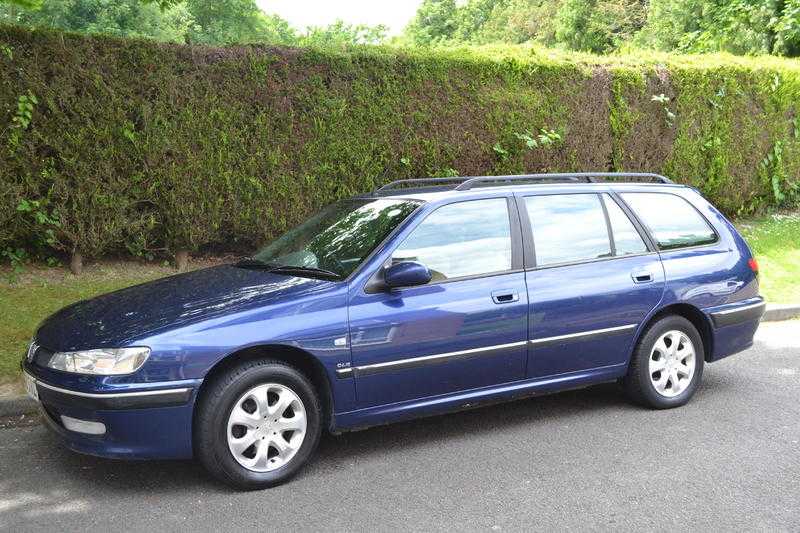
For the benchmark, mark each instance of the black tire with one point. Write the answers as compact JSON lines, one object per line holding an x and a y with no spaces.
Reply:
{"x":211,"y":422}
{"x":637,"y":383}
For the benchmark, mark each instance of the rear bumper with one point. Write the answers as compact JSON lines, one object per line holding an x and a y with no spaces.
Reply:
{"x":735,"y":326}
{"x":150,"y":424}
{"x":731,"y":314}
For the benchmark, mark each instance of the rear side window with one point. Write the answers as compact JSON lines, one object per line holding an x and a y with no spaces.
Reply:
{"x":672,"y":221}
{"x":463,"y":239}
{"x":568,"y":228}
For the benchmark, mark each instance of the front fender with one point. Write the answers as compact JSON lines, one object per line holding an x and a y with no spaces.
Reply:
{"x":316,"y":324}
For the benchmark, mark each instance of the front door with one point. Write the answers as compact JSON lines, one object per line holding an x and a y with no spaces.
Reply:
{"x":594,"y":282}
{"x":466,"y":329}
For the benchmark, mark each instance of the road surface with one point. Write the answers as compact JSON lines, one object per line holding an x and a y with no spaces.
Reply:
{"x":729,"y":460}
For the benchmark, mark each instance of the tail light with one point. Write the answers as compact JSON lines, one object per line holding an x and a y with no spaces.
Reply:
{"x":753,"y":264}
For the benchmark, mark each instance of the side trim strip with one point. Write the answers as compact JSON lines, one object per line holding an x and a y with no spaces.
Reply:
{"x":412,"y":362}
{"x":583,"y":335}
{"x":343,"y":373}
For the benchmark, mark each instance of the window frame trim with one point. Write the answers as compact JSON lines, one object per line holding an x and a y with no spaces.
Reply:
{"x":610,"y":233}
{"x":717,"y":236}
{"x":649,"y":243}
{"x":637,"y":224}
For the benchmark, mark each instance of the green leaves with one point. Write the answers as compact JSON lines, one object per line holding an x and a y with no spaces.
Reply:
{"x":500,"y":151}
{"x":548,"y":137}
{"x":27,"y":4}
{"x":217,"y":22}
{"x":128,"y":131}
{"x":25,"y":106}
{"x":664,"y":101}
{"x":743,"y":27}
{"x":26,"y":103}
{"x":545,"y":138}
{"x":773,"y":169}
{"x":528,"y":139}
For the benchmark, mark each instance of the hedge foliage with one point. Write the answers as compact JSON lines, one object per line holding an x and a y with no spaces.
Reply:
{"x":114,"y":146}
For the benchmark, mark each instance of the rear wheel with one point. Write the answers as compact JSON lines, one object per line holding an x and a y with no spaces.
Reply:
{"x":257,"y":424}
{"x":667,"y":365}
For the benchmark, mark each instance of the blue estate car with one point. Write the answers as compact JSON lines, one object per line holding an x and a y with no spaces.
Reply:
{"x":422,"y":297}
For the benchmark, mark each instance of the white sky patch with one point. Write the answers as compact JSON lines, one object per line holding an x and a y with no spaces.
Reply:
{"x":395,"y":14}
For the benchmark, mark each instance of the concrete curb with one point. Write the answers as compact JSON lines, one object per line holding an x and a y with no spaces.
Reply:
{"x":22,"y":405}
{"x":777,"y":312}
{"x":16,"y":406}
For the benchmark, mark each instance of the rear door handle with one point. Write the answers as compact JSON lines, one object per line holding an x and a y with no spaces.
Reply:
{"x":642,"y":276}
{"x":504,"y":297}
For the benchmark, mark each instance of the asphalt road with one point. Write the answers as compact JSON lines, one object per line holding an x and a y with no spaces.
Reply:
{"x":585,"y":460}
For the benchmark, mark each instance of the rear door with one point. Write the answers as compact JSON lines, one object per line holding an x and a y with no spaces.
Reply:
{"x":465,"y":329}
{"x":593,"y":279}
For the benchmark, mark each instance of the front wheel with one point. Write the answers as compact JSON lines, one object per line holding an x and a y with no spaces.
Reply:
{"x":257,"y":424}
{"x":667,"y":365}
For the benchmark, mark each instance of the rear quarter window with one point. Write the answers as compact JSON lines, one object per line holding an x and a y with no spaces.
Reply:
{"x":672,"y":221}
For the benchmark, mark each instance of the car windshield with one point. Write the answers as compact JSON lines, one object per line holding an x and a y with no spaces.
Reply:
{"x":332,"y":243}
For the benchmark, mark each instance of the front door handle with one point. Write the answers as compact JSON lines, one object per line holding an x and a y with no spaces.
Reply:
{"x":642,"y":276}
{"x":504,"y":297}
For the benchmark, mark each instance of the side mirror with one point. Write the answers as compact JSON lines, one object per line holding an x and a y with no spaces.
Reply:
{"x":406,"y":274}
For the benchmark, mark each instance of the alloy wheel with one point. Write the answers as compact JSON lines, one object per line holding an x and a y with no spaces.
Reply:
{"x":266,"y":427}
{"x":672,"y":363}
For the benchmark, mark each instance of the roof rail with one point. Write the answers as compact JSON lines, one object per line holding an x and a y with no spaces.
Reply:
{"x":419,"y":181}
{"x":467,"y":183}
{"x":587,"y":177}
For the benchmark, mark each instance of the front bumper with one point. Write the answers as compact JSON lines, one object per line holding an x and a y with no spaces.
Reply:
{"x":144,"y":424}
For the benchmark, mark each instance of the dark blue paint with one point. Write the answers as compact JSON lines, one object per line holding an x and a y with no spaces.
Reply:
{"x":586,"y":297}
{"x":433,"y":319}
{"x":194,"y":321}
{"x":120,"y":317}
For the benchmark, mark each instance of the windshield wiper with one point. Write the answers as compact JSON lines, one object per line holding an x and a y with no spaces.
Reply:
{"x":252,"y":262}
{"x":258,"y":264}
{"x":288,"y":269}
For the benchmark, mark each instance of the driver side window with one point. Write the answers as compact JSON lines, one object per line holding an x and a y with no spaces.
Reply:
{"x":463,"y":239}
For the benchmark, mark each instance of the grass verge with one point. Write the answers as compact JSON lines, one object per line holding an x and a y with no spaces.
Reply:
{"x":775,"y":241}
{"x":40,"y":291}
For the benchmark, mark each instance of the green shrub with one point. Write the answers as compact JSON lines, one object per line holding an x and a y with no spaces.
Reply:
{"x":137,"y":147}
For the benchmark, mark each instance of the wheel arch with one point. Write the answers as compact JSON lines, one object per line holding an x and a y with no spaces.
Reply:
{"x":691,"y":313}
{"x":297,"y":358}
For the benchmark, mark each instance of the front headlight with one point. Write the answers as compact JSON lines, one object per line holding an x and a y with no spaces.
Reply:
{"x":104,"y":362}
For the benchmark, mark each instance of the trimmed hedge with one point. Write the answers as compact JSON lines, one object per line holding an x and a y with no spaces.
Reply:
{"x":140,"y":147}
